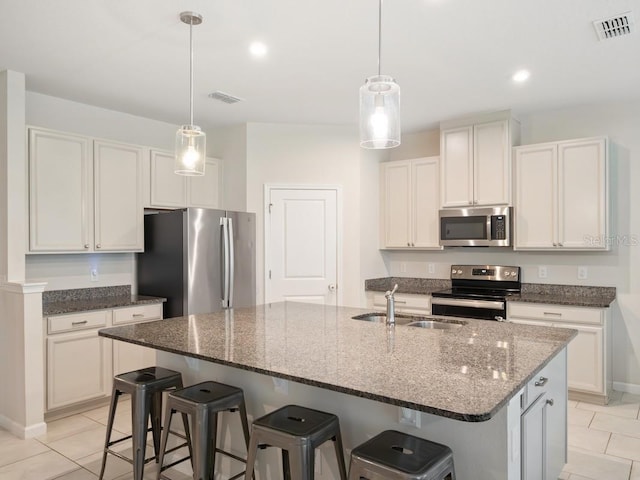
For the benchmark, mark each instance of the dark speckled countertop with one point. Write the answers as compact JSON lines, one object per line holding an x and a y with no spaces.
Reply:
{"x":468,"y":373}
{"x":572,"y":295}
{"x":58,"y":302}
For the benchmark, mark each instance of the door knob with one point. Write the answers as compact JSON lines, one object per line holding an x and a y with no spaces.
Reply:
{"x":333,"y":287}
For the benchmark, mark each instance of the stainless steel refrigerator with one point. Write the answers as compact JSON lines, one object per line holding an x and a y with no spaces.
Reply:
{"x":201,"y":260}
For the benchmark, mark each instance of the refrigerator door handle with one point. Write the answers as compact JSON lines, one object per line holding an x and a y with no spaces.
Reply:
{"x":225,"y":262}
{"x":232,"y":266}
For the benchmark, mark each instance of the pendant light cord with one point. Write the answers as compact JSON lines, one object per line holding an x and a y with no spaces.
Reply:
{"x":379,"y":34}
{"x":191,"y":71}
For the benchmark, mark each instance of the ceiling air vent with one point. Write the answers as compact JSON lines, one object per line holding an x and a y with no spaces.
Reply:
{"x":224,"y":97}
{"x":616,"y":26}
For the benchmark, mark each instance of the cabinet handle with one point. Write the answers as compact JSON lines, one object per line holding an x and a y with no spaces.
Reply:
{"x":550,"y":402}
{"x":86,"y":245}
{"x":555,"y":314}
{"x":138,"y":315}
{"x":541,"y":382}
{"x":401,"y":301}
{"x":98,"y":246}
{"x":560,"y":244}
{"x":408,"y":244}
{"x":413,"y":244}
{"x":83,"y":322}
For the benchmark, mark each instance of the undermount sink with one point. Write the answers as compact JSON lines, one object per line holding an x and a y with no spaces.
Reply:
{"x":412,"y":321}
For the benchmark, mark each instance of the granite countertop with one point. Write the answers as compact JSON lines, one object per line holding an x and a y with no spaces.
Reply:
{"x":573,"y":295}
{"x":58,"y":302}
{"x":468,"y":373}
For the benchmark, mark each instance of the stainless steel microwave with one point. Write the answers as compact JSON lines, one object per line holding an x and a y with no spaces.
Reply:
{"x":476,"y":227}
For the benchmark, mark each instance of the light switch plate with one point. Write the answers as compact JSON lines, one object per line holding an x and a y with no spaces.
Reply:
{"x":406,"y":416}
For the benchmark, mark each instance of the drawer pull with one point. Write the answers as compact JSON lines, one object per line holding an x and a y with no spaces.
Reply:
{"x":541,"y":382}
{"x":75,"y":324}
{"x":401,"y":301}
{"x":138,"y":315}
{"x":555,"y":314}
{"x":550,"y":402}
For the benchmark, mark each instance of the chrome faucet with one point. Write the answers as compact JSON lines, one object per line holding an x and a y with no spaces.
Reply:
{"x":391,"y":305}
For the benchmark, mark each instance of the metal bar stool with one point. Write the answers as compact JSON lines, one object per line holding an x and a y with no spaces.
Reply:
{"x":203,"y":402}
{"x":393,"y":455}
{"x":298,"y":431}
{"x":145,"y":387}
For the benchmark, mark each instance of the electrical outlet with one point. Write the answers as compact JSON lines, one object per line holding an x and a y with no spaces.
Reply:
{"x":542,"y":272}
{"x":403,"y":267}
{"x":431,"y":268}
{"x":406,"y":416}
{"x":582,"y":273}
{"x":281,"y":385}
{"x":94,"y":274}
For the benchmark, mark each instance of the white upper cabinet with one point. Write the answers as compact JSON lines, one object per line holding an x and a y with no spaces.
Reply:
{"x":59,"y":188}
{"x":168,"y":190}
{"x":410,"y":203}
{"x":84,"y":195}
{"x":476,"y":160}
{"x":561,"y":197}
{"x":119,"y":224}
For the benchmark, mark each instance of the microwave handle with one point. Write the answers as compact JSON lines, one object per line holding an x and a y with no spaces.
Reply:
{"x":489,"y":218}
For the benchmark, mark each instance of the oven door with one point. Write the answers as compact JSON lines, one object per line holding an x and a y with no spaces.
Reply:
{"x":464,"y":307}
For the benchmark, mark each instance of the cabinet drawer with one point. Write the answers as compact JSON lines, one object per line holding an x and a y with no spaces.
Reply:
{"x":405,"y":302}
{"x":556,"y":313}
{"x":77,"y":321}
{"x":138,"y":313}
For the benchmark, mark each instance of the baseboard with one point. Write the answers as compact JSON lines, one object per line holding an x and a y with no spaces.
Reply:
{"x":627,"y":387}
{"x":21,"y":431}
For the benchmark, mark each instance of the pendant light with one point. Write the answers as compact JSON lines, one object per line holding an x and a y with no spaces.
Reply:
{"x":380,"y":106}
{"x":190,"y":151}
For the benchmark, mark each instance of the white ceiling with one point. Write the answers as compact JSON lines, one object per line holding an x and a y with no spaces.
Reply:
{"x":450,"y":57}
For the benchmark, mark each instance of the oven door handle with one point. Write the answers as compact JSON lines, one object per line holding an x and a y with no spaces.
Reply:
{"x":462,"y":302}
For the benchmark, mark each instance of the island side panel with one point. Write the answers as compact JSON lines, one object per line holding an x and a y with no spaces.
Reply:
{"x":480,"y":449}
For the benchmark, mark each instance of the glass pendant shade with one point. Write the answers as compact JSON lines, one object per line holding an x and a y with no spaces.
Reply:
{"x":380,"y":113}
{"x":190,"y":151}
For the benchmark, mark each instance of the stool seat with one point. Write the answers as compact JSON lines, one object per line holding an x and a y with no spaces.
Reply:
{"x":203,"y":402}
{"x":145,"y":387}
{"x":297,"y":431}
{"x":396,"y":455}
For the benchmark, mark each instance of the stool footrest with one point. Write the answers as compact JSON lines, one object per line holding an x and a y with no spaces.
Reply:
{"x":173,"y":464}
{"x":231,"y":455}
{"x":127,"y":459}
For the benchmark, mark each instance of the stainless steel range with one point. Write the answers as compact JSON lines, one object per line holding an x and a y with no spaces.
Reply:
{"x":477,"y":291}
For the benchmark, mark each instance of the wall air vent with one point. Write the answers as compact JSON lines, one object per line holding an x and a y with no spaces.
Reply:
{"x":224,"y":97}
{"x":616,"y":26}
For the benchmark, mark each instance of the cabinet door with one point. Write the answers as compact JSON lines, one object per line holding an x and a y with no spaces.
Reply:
{"x":167,"y":188}
{"x":556,"y":431}
{"x":396,"y":204}
{"x":533,"y":424}
{"x":118,"y":197}
{"x":59,"y":202}
{"x":78,"y":368}
{"x":491,"y":163}
{"x":128,"y":357}
{"x":582,"y":194}
{"x":425,"y":181}
{"x":456,"y":147}
{"x":535,"y":197}
{"x":204,"y":191}
{"x":585,"y":363}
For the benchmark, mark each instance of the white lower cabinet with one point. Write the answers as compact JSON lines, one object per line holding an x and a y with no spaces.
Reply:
{"x":81,"y":364}
{"x":404,"y":303}
{"x":588,"y":364}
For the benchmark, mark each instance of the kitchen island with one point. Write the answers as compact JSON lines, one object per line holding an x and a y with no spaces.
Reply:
{"x":465,"y":387}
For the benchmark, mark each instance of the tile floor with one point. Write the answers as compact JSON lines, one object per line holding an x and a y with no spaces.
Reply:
{"x":604,"y":444}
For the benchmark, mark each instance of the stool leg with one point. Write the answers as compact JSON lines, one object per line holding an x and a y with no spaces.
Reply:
{"x":156,"y":428}
{"x":286,"y":465}
{"x":337,"y":443}
{"x":301,"y":461}
{"x":115,"y":394}
{"x":165,"y":436}
{"x":251,"y":456}
{"x":187,"y":434}
{"x":213,"y":442}
{"x":139,"y":417}
{"x":200,"y":451}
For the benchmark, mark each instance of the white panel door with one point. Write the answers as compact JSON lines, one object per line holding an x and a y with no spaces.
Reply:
{"x":582,"y":194}
{"x":119,"y":224}
{"x":456,"y":146}
{"x":204,"y":190}
{"x":396,"y":204}
{"x":491,"y":169}
{"x":59,"y":202}
{"x":302,"y":246}
{"x":425,"y":187}
{"x":167,"y":188}
{"x":535,"y":197}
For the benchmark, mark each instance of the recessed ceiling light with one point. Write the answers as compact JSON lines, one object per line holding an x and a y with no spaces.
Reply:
{"x":258,"y":49}
{"x":521,"y":76}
